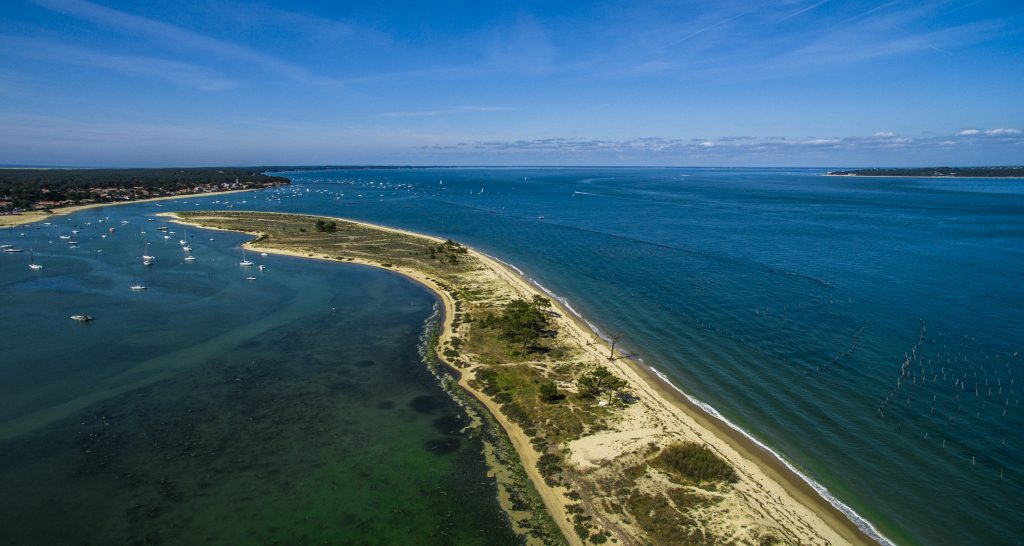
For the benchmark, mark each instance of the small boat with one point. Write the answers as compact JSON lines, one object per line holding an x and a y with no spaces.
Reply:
{"x":13,"y":250}
{"x":264,"y":254}
{"x":244,"y":262}
{"x":81,"y":318}
{"x":65,"y":237}
{"x":190,"y":258}
{"x":186,"y":248}
{"x":136,"y":285}
{"x":540,"y":217}
{"x":32,"y":262}
{"x":146,"y":258}
{"x":250,"y":278}
{"x":263,"y":267}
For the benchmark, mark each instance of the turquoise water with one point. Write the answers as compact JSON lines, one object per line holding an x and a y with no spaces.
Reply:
{"x":785,"y":299}
{"x":868,"y":330}
{"x":293,"y":408}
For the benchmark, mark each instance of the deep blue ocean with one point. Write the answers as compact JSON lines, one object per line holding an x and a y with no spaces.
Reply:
{"x":869,"y":330}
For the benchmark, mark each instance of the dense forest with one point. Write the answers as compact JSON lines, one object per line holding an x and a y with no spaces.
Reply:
{"x":25,"y":189}
{"x":965,"y":172}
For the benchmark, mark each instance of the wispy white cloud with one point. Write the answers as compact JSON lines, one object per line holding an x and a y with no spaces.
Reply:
{"x":182,"y":73}
{"x":803,"y":10}
{"x":734,"y":147}
{"x":175,"y":36}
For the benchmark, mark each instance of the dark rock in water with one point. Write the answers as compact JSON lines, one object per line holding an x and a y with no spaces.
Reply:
{"x":365,"y":363}
{"x":449,"y":424}
{"x":442,"y":446}
{"x":386,"y":405}
{"x":426,"y":404}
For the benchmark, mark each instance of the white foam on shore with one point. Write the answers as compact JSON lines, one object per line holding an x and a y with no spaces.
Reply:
{"x":858,"y":520}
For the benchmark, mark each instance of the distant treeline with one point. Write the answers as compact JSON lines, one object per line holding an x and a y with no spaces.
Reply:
{"x":35,"y":188}
{"x":966,"y":172}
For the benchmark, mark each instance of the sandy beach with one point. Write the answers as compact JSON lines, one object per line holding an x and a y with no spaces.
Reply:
{"x":768,"y":500}
{"x":14,"y":220}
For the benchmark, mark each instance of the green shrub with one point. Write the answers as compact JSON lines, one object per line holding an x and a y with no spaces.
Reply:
{"x":696,"y":463}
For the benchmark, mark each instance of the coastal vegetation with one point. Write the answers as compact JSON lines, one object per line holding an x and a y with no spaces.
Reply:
{"x":30,"y":189}
{"x":607,"y":465}
{"x":928,"y":172}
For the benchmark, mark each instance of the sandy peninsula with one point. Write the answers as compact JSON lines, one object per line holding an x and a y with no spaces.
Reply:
{"x":607,"y":472}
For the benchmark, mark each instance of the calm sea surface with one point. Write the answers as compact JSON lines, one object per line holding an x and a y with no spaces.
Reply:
{"x":869,"y":330}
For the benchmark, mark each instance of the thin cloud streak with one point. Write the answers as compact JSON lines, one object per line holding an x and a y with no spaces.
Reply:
{"x":182,"y":73}
{"x":136,"y":25}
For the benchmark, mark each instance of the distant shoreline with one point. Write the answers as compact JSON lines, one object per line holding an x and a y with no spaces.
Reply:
{"x":15,"y":220}
{"x":924,"y":176}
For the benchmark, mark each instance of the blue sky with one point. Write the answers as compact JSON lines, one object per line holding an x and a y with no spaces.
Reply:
{"x":792,"y":83}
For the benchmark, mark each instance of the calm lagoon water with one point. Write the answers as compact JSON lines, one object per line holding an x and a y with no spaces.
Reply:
{"x":869,"y":330}
{"x":294,"y":408}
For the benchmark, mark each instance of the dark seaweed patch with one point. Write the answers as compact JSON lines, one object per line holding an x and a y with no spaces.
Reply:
{"x":365,"y":363}
{"x":449,"y":424}
{"x":426,"y":404}
{"x":442,"y":446}
{"x":386,"y":405}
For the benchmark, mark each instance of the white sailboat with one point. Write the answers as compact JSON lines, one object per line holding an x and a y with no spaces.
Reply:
{"x":245,"y":262}
{"x":137,"y":285}
{"x":32,"y":261}
{"x":146,"y":258}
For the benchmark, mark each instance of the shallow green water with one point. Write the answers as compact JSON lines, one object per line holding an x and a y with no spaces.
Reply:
{"x":293,"y":409}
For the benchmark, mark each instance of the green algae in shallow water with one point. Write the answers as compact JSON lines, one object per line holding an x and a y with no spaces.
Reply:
{"x":287,"y":439}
